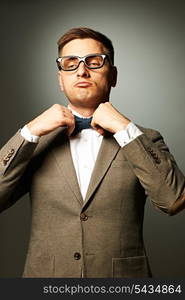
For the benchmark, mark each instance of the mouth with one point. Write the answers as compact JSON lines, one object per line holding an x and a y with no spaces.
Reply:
{"x":83,"y":84}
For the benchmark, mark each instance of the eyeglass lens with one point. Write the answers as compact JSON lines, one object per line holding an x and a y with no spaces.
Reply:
{"x":92,"y":62}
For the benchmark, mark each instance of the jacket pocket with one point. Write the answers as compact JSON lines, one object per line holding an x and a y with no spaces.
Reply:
{"x":130,"y":267}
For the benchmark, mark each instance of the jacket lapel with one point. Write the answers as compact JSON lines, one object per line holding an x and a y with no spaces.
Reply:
{"x":64,"y":161}
{"x":107,"y":152}
{"x":67,"y":167}
{"x":62,"y":152}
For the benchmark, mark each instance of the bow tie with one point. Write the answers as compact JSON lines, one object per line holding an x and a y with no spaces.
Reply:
{"x":81,"y":123}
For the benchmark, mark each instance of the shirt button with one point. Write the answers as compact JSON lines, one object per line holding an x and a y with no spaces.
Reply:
{"x":77,"y":255}
{"x":83,"y":217}
{"x":12,"y":151}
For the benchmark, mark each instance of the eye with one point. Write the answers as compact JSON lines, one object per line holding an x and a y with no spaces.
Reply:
{"x":94,"y":61}
{"x":93,"y":64}
{"x":69,"y":63}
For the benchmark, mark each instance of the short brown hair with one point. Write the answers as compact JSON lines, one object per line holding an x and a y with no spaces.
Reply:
{"x":84,"y":32}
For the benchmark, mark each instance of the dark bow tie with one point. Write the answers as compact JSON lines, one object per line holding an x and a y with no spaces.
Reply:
{"x":81,"y":123}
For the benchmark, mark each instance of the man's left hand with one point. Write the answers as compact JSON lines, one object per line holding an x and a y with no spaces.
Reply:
{"x":106,"y":117}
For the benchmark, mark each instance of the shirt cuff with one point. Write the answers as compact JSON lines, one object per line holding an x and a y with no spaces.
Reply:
{"x":25,"y":132}
{"x":125,"y":136}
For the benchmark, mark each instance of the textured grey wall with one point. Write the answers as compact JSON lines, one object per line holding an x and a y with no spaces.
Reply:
{"x":149,"y":40}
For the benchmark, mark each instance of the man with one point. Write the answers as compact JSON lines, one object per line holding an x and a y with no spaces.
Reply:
{"x":88,"y":170}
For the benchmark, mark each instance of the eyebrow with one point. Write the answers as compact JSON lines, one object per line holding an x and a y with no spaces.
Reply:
{"x":72,"y":55}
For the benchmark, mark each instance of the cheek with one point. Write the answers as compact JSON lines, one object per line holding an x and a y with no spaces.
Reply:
{"x":66,"y":83}
{"x":103,"y":82}
{"x":104,"y":78}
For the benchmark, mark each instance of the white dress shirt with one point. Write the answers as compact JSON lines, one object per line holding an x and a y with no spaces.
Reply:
{"x":85,"y":147}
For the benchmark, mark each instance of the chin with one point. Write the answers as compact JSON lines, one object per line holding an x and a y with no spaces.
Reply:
{"x":87,"y":99}
{"x":86,"y":103}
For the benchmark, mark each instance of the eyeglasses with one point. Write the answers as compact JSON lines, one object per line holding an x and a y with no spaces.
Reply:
{"x":91,"y":61}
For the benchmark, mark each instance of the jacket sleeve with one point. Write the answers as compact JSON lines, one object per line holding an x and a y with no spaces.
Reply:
{"x":157,"y":171}
{"x":14,"y":181}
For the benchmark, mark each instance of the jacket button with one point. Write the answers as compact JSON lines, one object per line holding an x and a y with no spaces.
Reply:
{"x":158,"y":161}
{"x":155,"y":155}
{"x":83,"y":217}
{"x":5,"y":160}
{"x":77,"y":255}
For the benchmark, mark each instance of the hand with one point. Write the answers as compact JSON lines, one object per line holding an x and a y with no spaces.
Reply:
{"x":106,"y":117}
{"x":54,"y":117}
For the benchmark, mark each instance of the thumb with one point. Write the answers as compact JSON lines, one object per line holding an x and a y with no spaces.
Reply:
{"x":99,"y":129}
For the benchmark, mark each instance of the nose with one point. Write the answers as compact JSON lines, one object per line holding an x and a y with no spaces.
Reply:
{"x":82,"y":70}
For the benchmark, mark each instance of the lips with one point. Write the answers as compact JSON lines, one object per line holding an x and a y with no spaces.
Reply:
{"x":83,"y":84}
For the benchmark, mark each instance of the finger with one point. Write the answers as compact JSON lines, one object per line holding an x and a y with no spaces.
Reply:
{"x":70,"y":129}
{"x":69,"y":119}
{"x":99,"y":129}
{"x":67,"y":110}
{"x":93,"y":123}
{"x":69,"y":114}
{"x":69,"y":123}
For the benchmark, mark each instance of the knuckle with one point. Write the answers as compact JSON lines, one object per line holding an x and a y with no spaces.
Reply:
{"x":56,"y":107}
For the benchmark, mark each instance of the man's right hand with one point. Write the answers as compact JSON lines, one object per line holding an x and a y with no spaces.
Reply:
{"x":54,"y":117}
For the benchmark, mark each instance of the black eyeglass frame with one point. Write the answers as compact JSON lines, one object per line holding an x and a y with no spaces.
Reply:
{"x":83,"y":58}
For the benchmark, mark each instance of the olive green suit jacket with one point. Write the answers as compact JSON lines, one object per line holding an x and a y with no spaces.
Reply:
{"x":103,"y":235}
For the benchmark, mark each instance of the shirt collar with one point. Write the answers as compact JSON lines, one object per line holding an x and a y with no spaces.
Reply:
{"x":78,"y":115}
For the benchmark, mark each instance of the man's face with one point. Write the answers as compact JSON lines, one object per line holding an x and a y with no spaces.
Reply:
{"x":86,"y":87}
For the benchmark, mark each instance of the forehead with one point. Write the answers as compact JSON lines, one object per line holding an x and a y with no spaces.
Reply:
{"x":82,"y":47}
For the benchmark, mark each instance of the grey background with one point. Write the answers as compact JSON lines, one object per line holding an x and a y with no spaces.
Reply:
{"x":149,"y":41}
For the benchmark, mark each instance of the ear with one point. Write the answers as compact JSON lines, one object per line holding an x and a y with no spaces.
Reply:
{"x":114,"y":74}
{"x":60,"y":81}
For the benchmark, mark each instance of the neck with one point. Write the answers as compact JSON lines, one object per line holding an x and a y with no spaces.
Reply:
{"x":85,"y":112}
